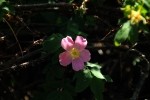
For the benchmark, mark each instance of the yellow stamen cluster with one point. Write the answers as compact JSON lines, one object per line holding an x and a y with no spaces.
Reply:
{"x":74,"y":53}
{"x":136,"y":17}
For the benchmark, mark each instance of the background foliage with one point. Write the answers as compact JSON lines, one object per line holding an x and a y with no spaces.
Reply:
{"x":118,"y":39}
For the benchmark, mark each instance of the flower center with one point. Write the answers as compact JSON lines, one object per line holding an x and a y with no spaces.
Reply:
{"x":136,"y":17}
{"x":74,"y":53}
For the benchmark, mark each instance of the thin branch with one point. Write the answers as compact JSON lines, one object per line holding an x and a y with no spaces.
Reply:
{"x":54,"y":6}
{"x":144,"y":75}
{"x":14,"y":35}
{"x":103,"y":44}
{"x":102,"y":10}
{"x":26,"y":59}
{"x":43,"y":5}
{"x":13,"y":62}
{"x":144,"y":70}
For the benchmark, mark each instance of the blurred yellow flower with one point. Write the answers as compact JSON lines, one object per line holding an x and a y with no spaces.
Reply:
{"x":136,"y":17}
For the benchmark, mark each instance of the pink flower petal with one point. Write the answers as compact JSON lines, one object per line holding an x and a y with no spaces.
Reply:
{"x":65,"y":59}
{"x":67,"y":43}
{"x":85,"y":55}
{"x":77,"y":64}
{"x":80,"y":43}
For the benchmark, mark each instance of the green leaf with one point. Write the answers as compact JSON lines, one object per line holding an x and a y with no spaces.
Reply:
{"x":97,"y":87}
{"x":108,"y":78}
{"x":93,"y":65}
{"x":144,"y":28}
{"x":97,"y":73}
{"x":1,"y":1}
{"x":147,"y":3}
{"x":53,"y":95}
{"x":95,"y":70}
{"x":52,"y":44}
{"x":143,"y":11}
{"x":90,"y":20}
{"x":83,"y":79}
{"x":123,"y":33}
{"x":66,"y":96}
{"x":52,"y":84}
{"x":69,"y":87}
{"x":133,"y":34}
{"x":73,"y":28}
{"x":7,"y":8}
{"x":59,"y":72}
{"x":117,"y":44}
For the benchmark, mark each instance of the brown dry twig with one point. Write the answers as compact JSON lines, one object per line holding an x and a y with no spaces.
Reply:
{"x":14,"y":62}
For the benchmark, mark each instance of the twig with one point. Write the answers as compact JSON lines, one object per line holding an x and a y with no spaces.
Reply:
{"x":66,"y":6}
{"x":144,"y":72}
{"x":103,"y":44}
{"x":44,"y":6}
{"x":14,"y":35}
{"x":144,"y":75}
{"x":13,"y":62}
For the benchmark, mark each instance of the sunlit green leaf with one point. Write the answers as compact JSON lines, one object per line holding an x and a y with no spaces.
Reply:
{"x":143,"y":11}
{"x":123,"y":33}
{"x":8,"y":8}
{"x":5,"y":8}
{"x":1,"y":1}
{"x":96,"y":72}
{"x":147,"y":3}
{"x":93,"y":65}
{"x":117,"y":43}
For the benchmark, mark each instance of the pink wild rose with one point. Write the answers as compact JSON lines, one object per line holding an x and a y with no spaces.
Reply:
{"x":75,"y":52}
